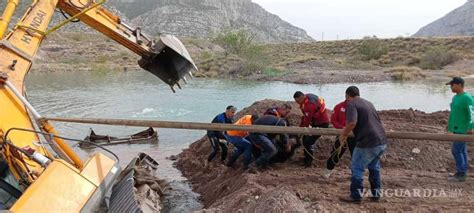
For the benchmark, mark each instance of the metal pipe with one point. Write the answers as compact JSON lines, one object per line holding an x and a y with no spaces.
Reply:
{"x":17,"y":93}
{"x":7,"y":15}
{"x":256,"y":128}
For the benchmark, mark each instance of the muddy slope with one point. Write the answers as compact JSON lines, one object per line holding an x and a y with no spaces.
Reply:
{"x":289,"y":186}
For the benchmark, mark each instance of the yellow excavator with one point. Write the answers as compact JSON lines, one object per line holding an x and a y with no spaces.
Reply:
{"x":39,"y":171}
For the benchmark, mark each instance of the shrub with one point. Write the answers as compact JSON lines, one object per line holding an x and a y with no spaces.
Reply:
{"x":234,"y":41}
{"x":403,"y":73}
{"x":372,"y":48}
{"x":241,"y":43}
{"x":254,"y":59}
{"x":437,"y":57}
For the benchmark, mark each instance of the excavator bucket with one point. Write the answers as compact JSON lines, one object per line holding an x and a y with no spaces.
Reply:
{"x":171,"y":63}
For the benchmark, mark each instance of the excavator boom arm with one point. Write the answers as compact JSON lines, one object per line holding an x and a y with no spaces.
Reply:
{"x":167,"y":58}
{"x":110,"y":25}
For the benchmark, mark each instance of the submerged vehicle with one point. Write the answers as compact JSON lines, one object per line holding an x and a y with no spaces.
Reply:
{"x":149,"y":135}
{"x":39,"y":170}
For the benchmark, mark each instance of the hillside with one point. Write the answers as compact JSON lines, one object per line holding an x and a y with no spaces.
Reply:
{"x":459,"y":22}
{"x":317,"y":62}
{"x":202,"y":18}
{"x":194,"y":18}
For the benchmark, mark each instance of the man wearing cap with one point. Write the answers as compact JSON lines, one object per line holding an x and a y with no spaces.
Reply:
{"x":460,"y":122}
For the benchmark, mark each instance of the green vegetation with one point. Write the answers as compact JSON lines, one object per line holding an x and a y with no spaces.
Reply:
{"x":234,"y":41}
{"x":372,"y":48}
{"x":437,"y":57}
{"x":272,"y":72}
{"x":242,"y":43}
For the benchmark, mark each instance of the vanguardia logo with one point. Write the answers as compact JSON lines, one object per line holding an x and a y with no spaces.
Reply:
{"x":413,"y":193}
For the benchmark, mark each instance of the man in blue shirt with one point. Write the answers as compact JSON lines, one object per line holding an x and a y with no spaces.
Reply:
{"x":216,"y":136}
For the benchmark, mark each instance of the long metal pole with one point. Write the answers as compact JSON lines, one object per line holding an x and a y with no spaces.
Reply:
{"x":257,"y":128}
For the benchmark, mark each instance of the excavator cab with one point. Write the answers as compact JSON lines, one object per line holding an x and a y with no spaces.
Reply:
{"x":171,"y":61}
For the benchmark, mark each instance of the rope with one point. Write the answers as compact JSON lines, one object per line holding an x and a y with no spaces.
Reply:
{"x":336,"y":150}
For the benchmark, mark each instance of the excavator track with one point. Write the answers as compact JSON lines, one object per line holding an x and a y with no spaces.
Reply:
{"x":137,"y":188}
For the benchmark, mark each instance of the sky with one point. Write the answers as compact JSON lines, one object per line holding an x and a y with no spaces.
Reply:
{"x":353,"y":19}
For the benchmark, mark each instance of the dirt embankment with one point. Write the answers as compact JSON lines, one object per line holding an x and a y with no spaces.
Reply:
{"x":290,"y":187}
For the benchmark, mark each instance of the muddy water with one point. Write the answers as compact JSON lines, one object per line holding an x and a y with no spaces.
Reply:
{"x":139,"y":95}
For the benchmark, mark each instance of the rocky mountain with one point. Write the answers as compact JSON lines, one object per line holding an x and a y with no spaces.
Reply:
{"x":201,"y":18}
{"x":458,"y":22}
{"x":195,"y":18}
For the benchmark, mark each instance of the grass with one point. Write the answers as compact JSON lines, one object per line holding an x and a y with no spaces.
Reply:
{"x":273,"y":72}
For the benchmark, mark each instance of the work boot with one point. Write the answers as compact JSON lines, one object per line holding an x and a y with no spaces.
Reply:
{"x":458,"y":177}
{"x":230,"y":163}
{"x":349,"y":199}
{"x":253,"y":169}
{"x":375,"y":199}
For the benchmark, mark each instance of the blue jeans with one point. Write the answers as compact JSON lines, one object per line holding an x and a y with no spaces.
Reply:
{"x":269,"y":149}
{"x":242,"y":146}
{"x":459,"y":150}
{"x":363,"y":158}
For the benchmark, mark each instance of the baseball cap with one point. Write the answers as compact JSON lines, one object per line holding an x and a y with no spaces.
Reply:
{"x":456,"y":80}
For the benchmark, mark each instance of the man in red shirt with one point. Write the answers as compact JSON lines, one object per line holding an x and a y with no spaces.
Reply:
{"x":338,"y":120}
{"x":315,"y":115}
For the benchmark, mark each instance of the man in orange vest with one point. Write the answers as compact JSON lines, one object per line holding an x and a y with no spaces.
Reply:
{"x":242,"y":145}
{"x":315,"y":115}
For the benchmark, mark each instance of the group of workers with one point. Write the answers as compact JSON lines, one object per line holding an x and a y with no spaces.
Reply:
{"x":353,"y":115}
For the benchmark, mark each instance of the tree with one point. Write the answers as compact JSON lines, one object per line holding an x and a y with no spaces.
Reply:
{"x":234,"y":41}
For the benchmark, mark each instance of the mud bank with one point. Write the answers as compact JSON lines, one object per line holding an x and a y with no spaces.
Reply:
{"x":290,"y":187}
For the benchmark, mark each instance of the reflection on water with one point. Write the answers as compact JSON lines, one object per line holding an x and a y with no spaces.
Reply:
{"x":139,"y":95}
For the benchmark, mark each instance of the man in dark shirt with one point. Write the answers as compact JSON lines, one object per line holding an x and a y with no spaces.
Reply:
{"x":280,"y":112}
{"x":267,"y":141}
{"x":363,"y":120}
{"x":314,"y":115}
{"x":216,"y":136}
